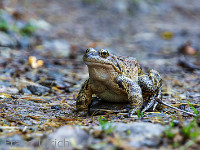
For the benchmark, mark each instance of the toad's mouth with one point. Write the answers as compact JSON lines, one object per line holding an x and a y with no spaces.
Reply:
{"x":107,"y":65}
{"x":91,"y":63}
{"x":99,"y":65}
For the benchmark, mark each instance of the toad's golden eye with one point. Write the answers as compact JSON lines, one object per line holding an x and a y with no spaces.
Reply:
{"x":87,"y":50}
{"x":103,"y":53}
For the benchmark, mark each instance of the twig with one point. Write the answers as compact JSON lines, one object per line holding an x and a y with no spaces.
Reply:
{"x":160,"y":101}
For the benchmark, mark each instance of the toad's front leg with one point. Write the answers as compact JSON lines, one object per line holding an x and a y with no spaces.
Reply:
{"x":84,"y":98}
{"x":134,"y":93}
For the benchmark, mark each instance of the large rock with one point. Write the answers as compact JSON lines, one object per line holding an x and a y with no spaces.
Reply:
{"x":15,"y":141}
{"x":140,"y":134}
{"x":137,"y":134}
{"x":66,"y":137}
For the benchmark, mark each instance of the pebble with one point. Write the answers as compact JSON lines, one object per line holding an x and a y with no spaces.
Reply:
{"x":8,"y":90}
{"x":5,"y":52}
{"x":38,"y":89}
{"x":6,"y":40}
{"x":57,"y":48}
{"x":25,"y":91}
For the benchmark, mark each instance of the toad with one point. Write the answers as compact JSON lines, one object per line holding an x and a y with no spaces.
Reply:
{"x":118,"y":79}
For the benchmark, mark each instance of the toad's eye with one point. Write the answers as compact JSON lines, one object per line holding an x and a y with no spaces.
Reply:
{"x":103,"y":53}
{"x":87,"y":50}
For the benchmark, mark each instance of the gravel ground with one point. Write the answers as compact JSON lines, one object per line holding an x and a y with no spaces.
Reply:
{"x":41,"y":73}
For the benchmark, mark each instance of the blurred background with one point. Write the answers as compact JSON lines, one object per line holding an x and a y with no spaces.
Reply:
{"x":130,"y":27}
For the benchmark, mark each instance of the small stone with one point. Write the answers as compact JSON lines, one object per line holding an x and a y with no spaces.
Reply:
{"x":48,"y":83}
{"x":121,"y":6}
{"x":41,"y":24}
{"x":24,"y":41}
{"x":34,"y":88}
{"x":8,"y":90}
{"x":187,"y":49}
{"x":56,"y":107}
{"x":146,"y":36}
{"x":6,"y":40}
{"x":31,"y":76}
{"x":25,"y":91}
{"x":57,"y":48}
{"x":5,"y":52}
{"x":38,"y":89}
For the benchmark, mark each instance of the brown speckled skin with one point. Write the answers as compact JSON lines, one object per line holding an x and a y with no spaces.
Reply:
{"x":117,"y":79}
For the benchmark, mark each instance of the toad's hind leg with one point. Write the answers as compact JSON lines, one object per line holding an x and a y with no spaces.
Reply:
{"x":84,"y":99}
{"x":134,"y":93}
{"x":151,"y":88}
{"x":152,"y":102}
{"x":150,"y":83}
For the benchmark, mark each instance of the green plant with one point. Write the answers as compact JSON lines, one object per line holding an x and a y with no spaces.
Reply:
{"x":195,"y":111}
{"x":189,"y":132}
{"x":139,"y":114}
{"x":3,"y":25}
{"x":192,"y":130}
{"x":168,"y":130}
{"x":106,"y":126}
{"x":28,"y":29}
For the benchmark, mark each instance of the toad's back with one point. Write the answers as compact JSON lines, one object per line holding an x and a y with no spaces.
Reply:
{"x":129,"y":67}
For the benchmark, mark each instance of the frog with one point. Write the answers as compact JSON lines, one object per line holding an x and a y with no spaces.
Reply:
{"x":118,"y":79}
